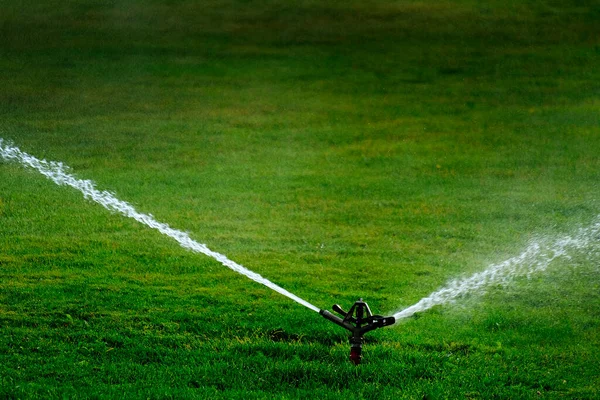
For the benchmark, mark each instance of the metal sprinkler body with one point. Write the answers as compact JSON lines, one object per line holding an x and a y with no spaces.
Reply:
{"x":359,"y":320}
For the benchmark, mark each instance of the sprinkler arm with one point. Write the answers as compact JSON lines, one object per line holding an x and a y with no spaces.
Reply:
{"x":373,"y":322}
{"x":336,"y":320}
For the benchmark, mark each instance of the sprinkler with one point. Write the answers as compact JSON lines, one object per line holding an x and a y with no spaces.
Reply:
{"x":359,"y":320}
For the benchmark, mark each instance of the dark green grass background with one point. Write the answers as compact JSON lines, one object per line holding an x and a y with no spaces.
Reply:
{"x":349,"y":149}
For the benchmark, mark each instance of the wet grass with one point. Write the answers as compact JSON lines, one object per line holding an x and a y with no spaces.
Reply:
{"x":371,"y":149}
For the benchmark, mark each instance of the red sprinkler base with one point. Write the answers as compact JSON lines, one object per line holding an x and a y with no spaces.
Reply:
{"x":355,"y":355}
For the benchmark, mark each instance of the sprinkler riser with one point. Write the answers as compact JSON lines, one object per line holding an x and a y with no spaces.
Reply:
{"x":356,"y":349}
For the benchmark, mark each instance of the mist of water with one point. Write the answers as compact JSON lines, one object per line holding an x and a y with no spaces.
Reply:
{"x":58,"y":173}
{"x":536,"y":258}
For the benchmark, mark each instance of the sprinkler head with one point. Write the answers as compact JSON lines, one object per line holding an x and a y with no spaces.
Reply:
{"x":359,"y":320}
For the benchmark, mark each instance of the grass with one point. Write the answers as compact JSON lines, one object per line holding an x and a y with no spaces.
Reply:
{"x":367,"y":149}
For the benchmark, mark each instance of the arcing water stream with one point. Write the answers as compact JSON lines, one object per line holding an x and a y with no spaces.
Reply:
{"x":536,"y":258}
{"x":57,"y":172}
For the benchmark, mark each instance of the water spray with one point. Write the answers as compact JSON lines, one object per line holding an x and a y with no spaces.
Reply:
{"x":359,"y":320}
{"x":536,"y":258}
{"x":59,"y":174}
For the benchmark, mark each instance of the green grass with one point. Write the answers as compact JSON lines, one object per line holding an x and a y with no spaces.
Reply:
{"x":369,"y":149}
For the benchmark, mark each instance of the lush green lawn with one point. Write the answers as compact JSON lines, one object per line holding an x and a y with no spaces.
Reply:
{"x":350,"y":149}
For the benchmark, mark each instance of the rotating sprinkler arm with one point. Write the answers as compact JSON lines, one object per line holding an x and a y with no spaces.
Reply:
{"x":373,"y":322}
{"x":336,"y":320}
{"x":359,"y":320}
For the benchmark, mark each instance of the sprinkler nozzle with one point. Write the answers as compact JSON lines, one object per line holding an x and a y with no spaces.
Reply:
{"x":359,"y":320}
